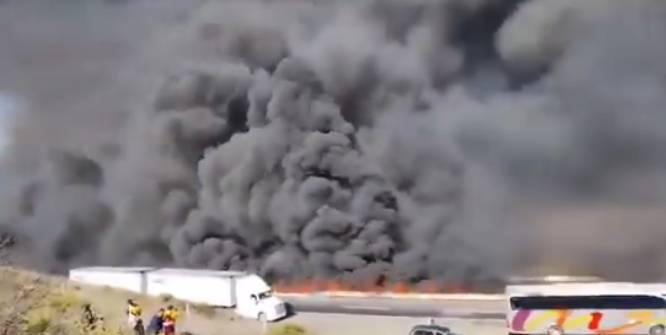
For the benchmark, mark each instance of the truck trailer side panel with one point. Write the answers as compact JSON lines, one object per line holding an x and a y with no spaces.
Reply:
{"x":201,"y":288}
{"x":131,"y":279}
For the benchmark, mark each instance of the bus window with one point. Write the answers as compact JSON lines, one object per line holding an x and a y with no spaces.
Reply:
{"x":588,"y":302}
{"x":422,"y":332}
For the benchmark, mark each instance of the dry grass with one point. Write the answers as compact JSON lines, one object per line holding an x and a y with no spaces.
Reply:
{"x":205,"y":310}
{"x":35,"y":304}
{"x":289,"y":329}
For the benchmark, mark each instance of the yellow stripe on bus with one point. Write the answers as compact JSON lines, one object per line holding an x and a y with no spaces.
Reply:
{"x":578,"y":322}
{"x":534,"y":323}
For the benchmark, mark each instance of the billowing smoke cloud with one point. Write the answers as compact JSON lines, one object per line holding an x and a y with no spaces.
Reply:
{"x":370,"y":140}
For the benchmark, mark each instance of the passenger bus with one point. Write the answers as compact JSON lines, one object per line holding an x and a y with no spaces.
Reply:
{"x":589,"y":308}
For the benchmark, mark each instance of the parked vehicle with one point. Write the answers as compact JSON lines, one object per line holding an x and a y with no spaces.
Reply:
{"x":430,"y":329}
{"x":248,"y":293}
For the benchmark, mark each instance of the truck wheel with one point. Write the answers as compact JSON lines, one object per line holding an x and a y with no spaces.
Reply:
{"x":261,"y":317}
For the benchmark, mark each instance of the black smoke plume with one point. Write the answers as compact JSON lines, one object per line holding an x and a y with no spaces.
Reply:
{"x":355,"y":140}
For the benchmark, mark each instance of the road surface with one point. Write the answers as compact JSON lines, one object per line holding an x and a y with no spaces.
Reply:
{"x":462,"y":309}
{"x":345,"y":324}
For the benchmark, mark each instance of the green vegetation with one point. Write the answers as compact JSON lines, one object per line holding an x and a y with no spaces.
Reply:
{"x":37,"y":325}
{"x":289,"y":329}
{"x":56,"y":312}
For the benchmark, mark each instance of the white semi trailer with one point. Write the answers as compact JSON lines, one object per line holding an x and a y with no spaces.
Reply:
{"x":132,"y":279}
{"x":248,"y":293}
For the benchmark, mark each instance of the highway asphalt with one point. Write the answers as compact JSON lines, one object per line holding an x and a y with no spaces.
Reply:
{"x":348,"y":324}
{"x":463,"y":309}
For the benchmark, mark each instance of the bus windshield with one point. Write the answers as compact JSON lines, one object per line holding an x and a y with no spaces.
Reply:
{"x":597,"y":302}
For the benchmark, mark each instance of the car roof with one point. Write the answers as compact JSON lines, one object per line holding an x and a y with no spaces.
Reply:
{"x":432,"y":327}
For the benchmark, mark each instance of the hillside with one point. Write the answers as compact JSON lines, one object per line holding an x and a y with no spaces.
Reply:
{"x":33,"y":303}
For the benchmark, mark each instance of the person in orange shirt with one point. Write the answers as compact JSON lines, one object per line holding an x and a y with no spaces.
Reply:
{"x":170,"y":317}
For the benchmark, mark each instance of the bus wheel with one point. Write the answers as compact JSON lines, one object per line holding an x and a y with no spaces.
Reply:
{"x":657,"y":330}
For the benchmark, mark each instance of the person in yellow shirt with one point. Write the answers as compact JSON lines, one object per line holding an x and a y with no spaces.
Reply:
{"x":134,"y":316}
{"x":170,"y":316}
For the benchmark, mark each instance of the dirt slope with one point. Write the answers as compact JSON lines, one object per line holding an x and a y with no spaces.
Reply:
{"x":33,"y":303}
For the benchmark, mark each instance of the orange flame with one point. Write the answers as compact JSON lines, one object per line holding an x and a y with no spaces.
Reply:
{"x":312,"y":286}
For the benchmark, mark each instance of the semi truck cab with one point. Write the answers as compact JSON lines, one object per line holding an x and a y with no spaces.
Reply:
{"x":255,"y":299}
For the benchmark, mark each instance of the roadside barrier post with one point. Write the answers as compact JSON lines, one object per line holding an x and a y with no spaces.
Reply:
{"x":187,"y":316}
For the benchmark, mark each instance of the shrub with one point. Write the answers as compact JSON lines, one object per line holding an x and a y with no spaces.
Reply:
{"x":65,"y":301}
{"x":289,"y":329}
{"x":37,"y":324}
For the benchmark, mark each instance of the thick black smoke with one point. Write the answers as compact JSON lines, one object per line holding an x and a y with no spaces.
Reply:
{"x":368,"y":140}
